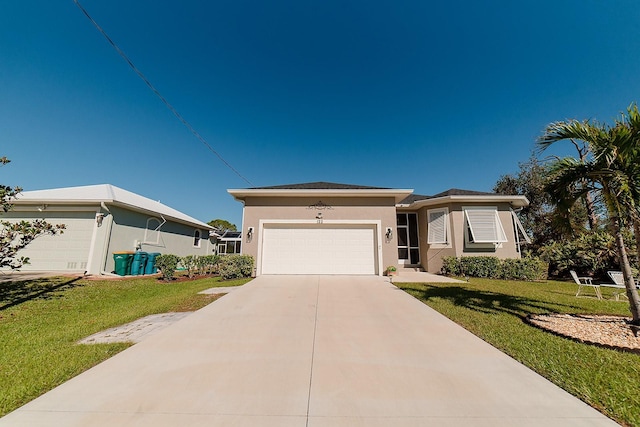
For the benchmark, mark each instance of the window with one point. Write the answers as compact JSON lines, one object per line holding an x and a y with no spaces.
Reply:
{"x":229,"y":247}
{"x":438,"y":228}
{"x":233,"y":247}
{"x":196,"y":239}
{"x":483,"y":225}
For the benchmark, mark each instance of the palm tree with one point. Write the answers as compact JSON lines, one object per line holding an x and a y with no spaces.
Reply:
{"x":609,"y":172}
{"x":632,"y":121}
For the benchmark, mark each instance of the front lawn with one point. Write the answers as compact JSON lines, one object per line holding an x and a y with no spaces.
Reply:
{"x":41,"y":321}
{"x":494,"y":310}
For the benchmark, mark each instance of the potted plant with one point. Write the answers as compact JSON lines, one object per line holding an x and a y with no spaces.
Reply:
{"x":392,"y":271}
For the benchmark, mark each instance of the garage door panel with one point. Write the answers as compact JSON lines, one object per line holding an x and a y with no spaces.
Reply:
{"x":63,"y":252}
{"x":318,"y":250}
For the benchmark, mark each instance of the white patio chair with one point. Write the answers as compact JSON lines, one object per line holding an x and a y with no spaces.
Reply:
{"x":618,"y":283}
{"x":585,"y":281}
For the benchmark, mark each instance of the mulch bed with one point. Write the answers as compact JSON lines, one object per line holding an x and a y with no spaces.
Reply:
{"x":607,"y":331}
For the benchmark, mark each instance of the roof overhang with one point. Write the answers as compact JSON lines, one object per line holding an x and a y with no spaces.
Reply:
{"x":514,"y":201}
{"x":397,"y":194}
{"x":57,"y":205}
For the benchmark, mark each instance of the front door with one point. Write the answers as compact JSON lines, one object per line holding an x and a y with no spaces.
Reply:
{"x":407,"y":231}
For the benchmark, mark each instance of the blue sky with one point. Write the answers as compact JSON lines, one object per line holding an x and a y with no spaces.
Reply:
{"x":409,"y":94}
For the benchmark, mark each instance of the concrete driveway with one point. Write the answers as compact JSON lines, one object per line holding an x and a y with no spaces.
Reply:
{"x":310,"y":351}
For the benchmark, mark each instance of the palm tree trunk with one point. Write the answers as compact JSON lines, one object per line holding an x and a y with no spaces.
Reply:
{"x":629,"y":283}
{"x":591,"y":211}
{"x":636,"y":231}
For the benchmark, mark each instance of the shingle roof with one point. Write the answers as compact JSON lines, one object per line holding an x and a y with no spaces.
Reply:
{"x":413,"y":198}
{"x":459,"y":192}
{"x":450,"y":192}
{"x":106,"y":193}
{"x":321,"y":185}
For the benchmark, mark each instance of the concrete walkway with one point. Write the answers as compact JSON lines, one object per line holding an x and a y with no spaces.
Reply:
{"x":310,"y":351}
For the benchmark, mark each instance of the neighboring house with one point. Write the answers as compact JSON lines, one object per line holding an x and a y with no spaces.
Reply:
{"x":328,"y":228}
{"x":229,"y":242}
{"x":101,"y":220}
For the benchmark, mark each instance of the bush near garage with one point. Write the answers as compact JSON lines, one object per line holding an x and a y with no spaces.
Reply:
{"x":207,"y":264}
{"x":167,"y":264}
{"x":530,"y":268}
{"x":235,"y":266}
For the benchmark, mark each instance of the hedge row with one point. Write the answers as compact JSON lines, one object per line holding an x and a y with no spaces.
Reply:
{"x":229,"y":266}
{"x":495,"y":268}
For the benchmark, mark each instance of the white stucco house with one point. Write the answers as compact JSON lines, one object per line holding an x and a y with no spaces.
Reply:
{"x":101,"y":220}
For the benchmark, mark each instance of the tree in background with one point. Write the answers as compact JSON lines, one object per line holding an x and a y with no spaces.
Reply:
{"x":537,"y":218}
{"x":222,"y":225}
{"x":15,"y":236}
{"x":609,"y":170}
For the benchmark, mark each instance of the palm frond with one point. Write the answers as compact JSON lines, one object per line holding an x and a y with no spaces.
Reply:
{"x":573,"y":129}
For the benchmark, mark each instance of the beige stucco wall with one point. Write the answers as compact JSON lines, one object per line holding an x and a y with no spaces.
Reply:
{"x":431,"y":255}
{"x":338,"y":209}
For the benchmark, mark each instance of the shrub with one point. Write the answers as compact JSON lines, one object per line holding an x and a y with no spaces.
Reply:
{"x":190,"y":263}
{"x":529,"y":268}
{"x":207,"y":264}
{"x":524,"y":269}
{"x":451,"y":266}
{"x":167,"y":264}
{"x":482,"y":266}
{"x":235,"y":266}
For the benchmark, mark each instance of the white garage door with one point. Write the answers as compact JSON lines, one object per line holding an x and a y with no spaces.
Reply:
{"x":65,"y":252}
{"x":319,"y":250}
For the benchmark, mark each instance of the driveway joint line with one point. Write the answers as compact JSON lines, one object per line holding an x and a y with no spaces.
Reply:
{"x":313,"y":349}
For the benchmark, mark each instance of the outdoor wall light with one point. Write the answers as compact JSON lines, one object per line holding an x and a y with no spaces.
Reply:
{"x":249,"y":233}
{"x":389,"y":233}
{"x":99,"y":219}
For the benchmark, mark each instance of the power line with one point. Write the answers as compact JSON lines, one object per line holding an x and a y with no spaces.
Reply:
{"x":158,"y":94}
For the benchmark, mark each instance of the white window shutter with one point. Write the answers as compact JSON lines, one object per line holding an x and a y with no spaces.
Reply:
{"x":520,"y":227}
{"x":437,"y":226}
{"x":485,"y":225}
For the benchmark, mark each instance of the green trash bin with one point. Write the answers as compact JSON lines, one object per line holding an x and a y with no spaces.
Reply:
{"x":123,"y":262}
{"x":138,"y":263}
{"x":151,"y":268}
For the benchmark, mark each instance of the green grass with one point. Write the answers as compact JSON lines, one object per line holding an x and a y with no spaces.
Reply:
{"x":494,"y":310}
{"x":41,"y":321}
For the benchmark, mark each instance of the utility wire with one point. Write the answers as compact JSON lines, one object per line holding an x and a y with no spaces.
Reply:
{"x":158,"y":94}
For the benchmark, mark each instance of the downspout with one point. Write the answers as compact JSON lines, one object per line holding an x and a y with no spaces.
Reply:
{"x":106,"y":242}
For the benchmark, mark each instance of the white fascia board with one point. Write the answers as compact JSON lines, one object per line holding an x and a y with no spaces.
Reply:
{"x":515,"y":201}
{"x":187,"y":220}
{"x":397,"y":194}
{"x":94,"y":205}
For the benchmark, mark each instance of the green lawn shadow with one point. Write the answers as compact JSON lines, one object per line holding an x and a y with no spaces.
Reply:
{"x":484,"y":301}
{"x":18,"y":292}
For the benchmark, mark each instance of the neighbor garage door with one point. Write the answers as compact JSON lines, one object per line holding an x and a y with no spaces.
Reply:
{"x":319,"y":250}
{"x":68,"y":251}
